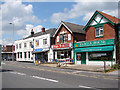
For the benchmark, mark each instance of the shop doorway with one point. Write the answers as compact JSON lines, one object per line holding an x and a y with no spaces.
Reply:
{"x":83,"y":58}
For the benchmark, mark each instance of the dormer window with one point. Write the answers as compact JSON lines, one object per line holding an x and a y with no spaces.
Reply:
{"x":98,"y":31}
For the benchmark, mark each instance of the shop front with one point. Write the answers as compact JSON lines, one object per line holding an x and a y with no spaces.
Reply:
{"x":41,"y":55}
{"x":95,"y":52}
{"x":63,"y":52}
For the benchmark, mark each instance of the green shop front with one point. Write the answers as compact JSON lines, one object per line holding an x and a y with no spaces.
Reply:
{"x":95,"y":52}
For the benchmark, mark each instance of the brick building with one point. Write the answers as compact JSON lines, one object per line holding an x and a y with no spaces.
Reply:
{"x":65,"y":36}
{"x":8,"y":52}
{"x":100,"y":44}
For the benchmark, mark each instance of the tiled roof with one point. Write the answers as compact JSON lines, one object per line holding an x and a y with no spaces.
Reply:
{"x":49,"y":31}
{"x":75,"y":28}
{"x":111,"y":18}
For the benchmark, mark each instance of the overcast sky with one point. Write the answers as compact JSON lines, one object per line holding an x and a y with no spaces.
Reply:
{"x":28,"y":15}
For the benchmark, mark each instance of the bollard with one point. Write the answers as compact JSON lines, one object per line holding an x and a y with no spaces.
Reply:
{"x":105,"y":66}
{"x":65,"y":63}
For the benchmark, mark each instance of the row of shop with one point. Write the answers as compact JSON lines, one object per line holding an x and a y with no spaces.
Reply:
{"x":77,"y":44}
{"x":89,"y":53}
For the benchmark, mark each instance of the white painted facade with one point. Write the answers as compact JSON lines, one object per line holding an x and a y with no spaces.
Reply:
{"x":43,"y":47}
{"x":24,"y":49}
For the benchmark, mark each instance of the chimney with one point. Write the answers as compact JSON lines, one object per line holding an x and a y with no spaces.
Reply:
{"x":32,"y":32}
{"x":43,"y":29}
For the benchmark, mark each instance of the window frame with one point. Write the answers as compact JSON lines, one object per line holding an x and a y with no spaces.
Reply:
{"x":99,"y":32}
{"x":45,"y":41}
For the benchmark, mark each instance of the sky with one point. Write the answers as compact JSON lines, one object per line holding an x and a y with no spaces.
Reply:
{"x":25,"y":15}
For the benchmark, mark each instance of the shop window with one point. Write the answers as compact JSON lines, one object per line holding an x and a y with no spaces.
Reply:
{"x":99,"y":31}
{"x":69,"y":54}
{"x":20,"y":54}
{"x":25,"y":54}
{"x":78,"y":56}
{"x":44,"y":41}
{"x":29,"y":55}
{"x":64,"y":54}
{"x":100,"y":56}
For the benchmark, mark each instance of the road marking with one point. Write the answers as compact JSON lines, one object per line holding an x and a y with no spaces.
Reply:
{"x":77,"y":72}
{"x":51,"y":80}
{"x":84,"y":86}
{"x":18,"y":73}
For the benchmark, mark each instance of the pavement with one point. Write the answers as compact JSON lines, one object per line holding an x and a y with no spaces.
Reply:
{"x":83,"y":67}
{"x":77,"y":69}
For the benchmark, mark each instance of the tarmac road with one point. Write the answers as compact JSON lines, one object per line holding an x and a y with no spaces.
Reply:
{"x":29,"y":76}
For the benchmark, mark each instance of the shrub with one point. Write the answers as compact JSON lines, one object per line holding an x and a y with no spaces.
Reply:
{"x":115,"y":66}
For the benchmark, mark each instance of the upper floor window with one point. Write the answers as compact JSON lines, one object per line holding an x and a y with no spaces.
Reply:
{"x":30,"y":44}
{"x":37,"y":43}
{"x":44,"y":41}
{"x":65,"y":37}
{"x":24,"y":45}
{"x":19,"y":45}
{"x":61,"y":38}
{"x":99,"y":31}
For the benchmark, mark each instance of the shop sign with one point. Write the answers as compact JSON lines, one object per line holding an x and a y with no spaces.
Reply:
{"x":62,"y":45}
{"x":39,"y":50}
{"x":95,"y":43}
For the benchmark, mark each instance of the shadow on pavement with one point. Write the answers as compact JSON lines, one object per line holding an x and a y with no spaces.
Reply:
{"x":5,"y":70}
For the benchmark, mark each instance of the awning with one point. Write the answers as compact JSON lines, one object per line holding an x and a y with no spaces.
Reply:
{"x":91,"y":49}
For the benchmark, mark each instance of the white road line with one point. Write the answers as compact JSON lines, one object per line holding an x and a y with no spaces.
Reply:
{"x":77,"y":72}
{"x":84,"y":86}
{"x":51,"y":80}
{"x":17,"y":73}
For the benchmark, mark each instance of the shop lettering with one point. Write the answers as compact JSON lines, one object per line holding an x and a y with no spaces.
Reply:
{"x":62,"y":45}
{"x":95,"y":43}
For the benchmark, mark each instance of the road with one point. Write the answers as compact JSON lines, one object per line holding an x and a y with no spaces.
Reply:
{"x":20,"y":75}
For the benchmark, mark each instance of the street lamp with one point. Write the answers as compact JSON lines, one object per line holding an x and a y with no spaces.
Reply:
{"x":13,"y":42}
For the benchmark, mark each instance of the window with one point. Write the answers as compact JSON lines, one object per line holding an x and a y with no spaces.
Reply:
{"x":19,"y":45}
{"x":61,"y":38}
{"x":25,"y":54}
{"x":29,"y":55}
{"x":100,"y":56}
{"x":30,"y":44}
{"x":24,"y":45}
{"x":78,"y":56}
{"x":37,"y":43}
{"x":99,"y":31}
{"x":44,"y":41}
{"x":65,"y":37}
{"x":64,"y":54}
{"x":20,"y":54}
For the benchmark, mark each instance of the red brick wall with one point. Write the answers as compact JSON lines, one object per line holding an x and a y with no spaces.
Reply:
{"x":109,"y":33}
{"x":79,"y":37}
{"x":58,"y":34}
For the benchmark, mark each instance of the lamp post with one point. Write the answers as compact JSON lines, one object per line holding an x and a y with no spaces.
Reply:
{"x":12,"y":42}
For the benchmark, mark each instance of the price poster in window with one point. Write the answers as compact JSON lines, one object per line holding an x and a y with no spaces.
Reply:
{"x":69,"y":36}
{"x":57,"y":38}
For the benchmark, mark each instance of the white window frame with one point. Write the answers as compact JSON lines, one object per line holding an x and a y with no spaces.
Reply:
{"x":100,"y":28}
{"x":45,"y":41}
